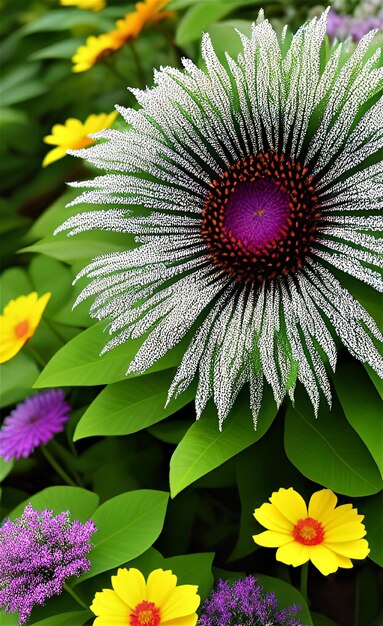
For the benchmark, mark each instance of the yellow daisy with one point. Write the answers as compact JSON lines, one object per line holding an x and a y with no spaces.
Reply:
{"x":327,"y":535}
{"x":73,"y":135}
{"x":19,"y":321}
{"x":93,"y":51}
{"x":145,"y":12}
{"x":93,"y":5}
{"x":156,"y":602}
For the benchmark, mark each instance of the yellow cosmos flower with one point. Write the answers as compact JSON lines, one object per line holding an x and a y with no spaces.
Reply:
{"x":93,"y":5}
{"x":93,"y":51}
{"x":327,"y":535}
{"x":145,"y":12}
{"x":157,"y":602}
{"x":73,"y":135}
{"x":19,"y":321}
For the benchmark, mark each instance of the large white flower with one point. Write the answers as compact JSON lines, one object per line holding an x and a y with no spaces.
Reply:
{"x":252,"y":183}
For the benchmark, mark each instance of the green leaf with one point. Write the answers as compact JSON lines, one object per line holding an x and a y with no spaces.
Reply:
{"x":17,"y":377}
{"x":321,"y":620}
{"x":225,"y":38}
{"x":127,"y":526}
{"x":286,"y":595}
{"x":372,"y":509}
{"x":362,"y":407}
{"x":327,"y":450}
{"x":54,"y":21}
{"x":378,"y":382}
{"x":79,"y":363}
{"x":5,"y":468}
{"x":74,"y":618}
{"x":199,"y":17}
{"x":132,"y":405}
{"x":80,"y":502}
{"x":13,"y":283}
{"x":204,"y":447}
{"x":46,"y":275}
{"x":60,"y":50}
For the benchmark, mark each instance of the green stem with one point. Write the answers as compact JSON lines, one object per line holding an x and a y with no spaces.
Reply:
{"x":304,"y":580}
{"x":35,"y":354}
{"x":75,"y":597}
{"x":139,"y":68}
{"x":111,"y":67}
{"x":67,"y":456}
{"x":57,"y":467}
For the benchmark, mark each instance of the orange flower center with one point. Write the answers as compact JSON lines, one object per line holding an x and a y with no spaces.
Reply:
{"x":308,"y":531}
{"x":145,"y":614}
{"x":21,"y":329}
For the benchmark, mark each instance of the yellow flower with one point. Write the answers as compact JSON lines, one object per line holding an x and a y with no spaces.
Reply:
{"x":157,"y":602}
{"x":73,"y":135}
{"x":147,"y":11}
{"x":94,"y":50}
{"x":19,"y":321}
{"x":93,"y":5}
{"x":327,"y":535}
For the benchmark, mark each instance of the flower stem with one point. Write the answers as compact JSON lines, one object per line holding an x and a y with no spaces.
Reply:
{"x":304,"y":580}
{"x":35,"y":354}
{"x":75,"y":596}
{"x":57,"y":467}
{"x":139,"y":68}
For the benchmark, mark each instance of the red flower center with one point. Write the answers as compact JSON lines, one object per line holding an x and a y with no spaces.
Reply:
{"x":308,"y":531}
{"x":21,"y":329}
{"x":145,"y":614}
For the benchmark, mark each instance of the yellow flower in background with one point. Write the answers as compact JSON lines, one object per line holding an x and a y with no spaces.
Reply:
{"x":93,"y":5}
{"x":19,"y":322}
{"x":73,"y":135}
{"x":93,"y":51}
{"x":157,"y":602}
{"x":327,"y":535}
{"x":147,"y":11}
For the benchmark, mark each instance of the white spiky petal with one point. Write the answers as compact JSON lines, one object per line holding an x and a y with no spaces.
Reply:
{"x":325,"y":112}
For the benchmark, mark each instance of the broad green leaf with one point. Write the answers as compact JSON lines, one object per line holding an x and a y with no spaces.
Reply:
{"x":13,"y":283}
{"x":204,"y":447}
{"x":225,"y":37}
{"x":321,"y":620}
{"x":372,"y":509}
{"x":378,"y":382}
{"x":286,"y":595}
{"x":327,"y":450}
{"x":362,"y":406}
{"x":17,"y":377}
{"x":79,"y":362}
{"x":80,"y":502}
{"x":54,"y":21}
{"x":74,"y":618}
{"x":199,"y":17}
{"x":127,"y":525}
{"x":170,"y":431}
{"x":5,"y":468}
{"x":50,"y":275}
{"x":60,"y":50}
{"x":132,"y":405}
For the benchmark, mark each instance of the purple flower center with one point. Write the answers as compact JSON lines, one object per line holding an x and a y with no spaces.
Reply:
{"x":257,"y":212}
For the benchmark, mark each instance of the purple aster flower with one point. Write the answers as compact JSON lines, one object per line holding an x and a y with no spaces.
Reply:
{"x":38,"y":552}
{"x":33,"y":422}
{"x":244,"y":603}
{"x":343,"y":26}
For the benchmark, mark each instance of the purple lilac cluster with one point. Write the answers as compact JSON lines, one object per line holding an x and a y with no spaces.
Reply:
{"x":244,"y":603}
{"x":343,"y":26}
{"x":38,"y":552}
{"x":32,"y":423}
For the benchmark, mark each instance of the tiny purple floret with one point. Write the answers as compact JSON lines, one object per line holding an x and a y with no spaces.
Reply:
{"x":32,"y":423}
{"x":343,"y":26}
{"x":244,"y":603}
{"x":38,"y":552}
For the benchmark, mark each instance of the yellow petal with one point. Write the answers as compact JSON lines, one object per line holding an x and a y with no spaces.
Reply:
{"x":357,"y":549}
{"x":272,"y":539}
{"x":188,"y":620}
{"x":183,"y":601}
{"x":269,"y":516}
{"x":290,"y":503}
{"x":321,"y":504}
{"x":345,"y":532}
{"x":343,"y":515}
{"x":324,"y":559}
{"x":9,"y":349}
{"x":160,"y":585}
{"x":293,"y":553}
{"x":109,"y":606}
{"x":130,"y":585}
{"x":104,"y":621}
{"x":53,"y":155}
